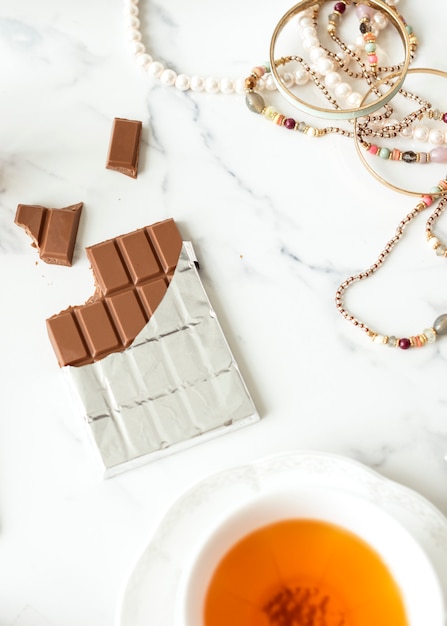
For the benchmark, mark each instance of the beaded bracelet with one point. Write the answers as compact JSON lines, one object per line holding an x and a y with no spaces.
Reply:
{"x":357,"y":111}
{"x":366,"y":15}
{"x":437,"y":155}
{"x":434,"y":242}
{"x":261,"y":75}
{"x":325,"y":59}
{"x":429,"y":335}
{"x":256,"y":103}
{"x":423,"y":133}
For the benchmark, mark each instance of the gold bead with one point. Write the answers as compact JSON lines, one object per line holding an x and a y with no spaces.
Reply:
{"x":250,"y":82}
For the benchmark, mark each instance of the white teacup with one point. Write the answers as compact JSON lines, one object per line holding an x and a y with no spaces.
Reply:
{"x":406,"y":561}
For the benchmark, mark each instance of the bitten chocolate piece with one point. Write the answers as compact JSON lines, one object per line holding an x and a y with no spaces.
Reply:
{"x":132,"y":273}
{"x":53,"y":231}
{"x":124,"y":149}
{"x":176,"y":385}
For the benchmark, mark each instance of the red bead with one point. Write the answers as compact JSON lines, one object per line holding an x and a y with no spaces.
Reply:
{"x":404,"y":343}
{"x":339,"y":7}
{"x":289,"y":123}
{"x":444,"y":118}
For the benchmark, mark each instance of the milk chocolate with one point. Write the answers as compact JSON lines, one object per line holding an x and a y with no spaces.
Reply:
{"x":124,"y":148}
{"x":132,"y":273}
{"x":53,"y":231}
{"x":176,"y":385}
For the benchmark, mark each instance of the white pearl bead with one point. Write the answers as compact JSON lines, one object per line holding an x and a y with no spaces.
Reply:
{"x":300,"y":76}
{"x":136,"y":47}
{"x":227,"y":85}
{"x":197,"y":83}
{"x":436,"y":136}
{"x":324,"y":66}
{"x":155,"y":69}
{"x":343,"y":90}
{"x":212,"y":85}
{"x":309,"y":32}
{"x":305,"y":21}
{"x":130,"y":3}
{"x":259,"y":87}
{"x":420,"y":132}
{"x":287,"y":79}
{"x":239,"y":85}
{"x":270,"y":83}
{"x":182,"y":82}
{"x":307,"y":12}
{"x":133,"y":34}
{"x":130,"y":9}
{"x":168,"y":77}
{"x":380,"y":339}
{"x":433,"y":242}
{"x":310,"y":42}
{"x":354,"y":100}
{"x":143,"y":59}
{"x":359,"y":43}
{"x":316,"y":53}
{"x":132,"y":22}
{"x":332,"y":79}
{"x":380,"y":20}
{"x":406,"y":132}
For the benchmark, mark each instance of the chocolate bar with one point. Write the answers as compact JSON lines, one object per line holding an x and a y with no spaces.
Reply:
{"x":53,"y":231}
{"x":131,"y":273}
{"x":124,"y":148}
{"x":149,"y":366}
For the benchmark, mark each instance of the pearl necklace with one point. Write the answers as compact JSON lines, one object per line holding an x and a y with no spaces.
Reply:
{"x":325,"y":61}
{"x":168,"y":76}
{"x":424,"y":134}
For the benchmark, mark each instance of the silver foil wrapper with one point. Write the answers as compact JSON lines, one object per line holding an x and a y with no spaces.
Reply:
{"x":176,"y":385}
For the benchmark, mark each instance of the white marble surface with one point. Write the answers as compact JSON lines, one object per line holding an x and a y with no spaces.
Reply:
{"x":277,"y":219}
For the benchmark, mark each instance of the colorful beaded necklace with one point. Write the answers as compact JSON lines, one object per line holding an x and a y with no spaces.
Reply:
{"x":439,"y":327}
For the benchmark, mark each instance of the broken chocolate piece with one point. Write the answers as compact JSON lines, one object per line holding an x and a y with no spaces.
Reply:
{"x":132,"y":273}
{"x":53,"y":231}
{"x":124,"y":149}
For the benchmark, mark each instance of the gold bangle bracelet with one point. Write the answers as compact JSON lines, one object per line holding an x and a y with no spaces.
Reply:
{"x":346,"y":114}
{"x":435,"y":192}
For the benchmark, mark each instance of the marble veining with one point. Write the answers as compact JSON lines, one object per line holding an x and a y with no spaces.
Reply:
{"x":277,"y":219}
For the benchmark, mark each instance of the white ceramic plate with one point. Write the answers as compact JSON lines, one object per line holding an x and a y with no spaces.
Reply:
{"x":153,"y":586}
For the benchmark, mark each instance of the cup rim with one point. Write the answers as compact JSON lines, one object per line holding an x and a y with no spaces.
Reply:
{"x":170,"y":539}
{"x":365,"y":519}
